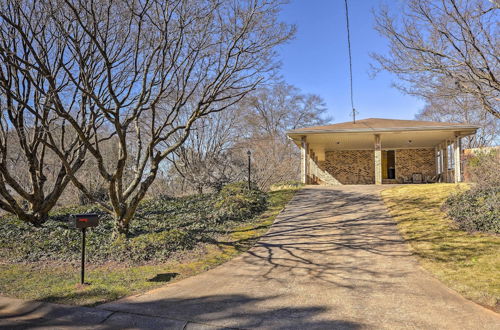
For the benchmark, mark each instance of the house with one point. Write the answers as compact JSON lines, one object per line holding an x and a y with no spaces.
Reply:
{"x":380,"y":151}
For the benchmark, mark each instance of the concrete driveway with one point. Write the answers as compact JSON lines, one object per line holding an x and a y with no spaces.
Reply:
{"x":332,"y":260}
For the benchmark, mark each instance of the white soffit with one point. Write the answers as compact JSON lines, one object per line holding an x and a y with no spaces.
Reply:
{"x":364,"y":141}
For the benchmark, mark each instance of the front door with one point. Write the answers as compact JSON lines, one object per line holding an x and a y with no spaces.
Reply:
{"x":388,"y":164}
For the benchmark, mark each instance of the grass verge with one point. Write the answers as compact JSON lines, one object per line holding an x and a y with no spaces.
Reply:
{"x":56,"y":282}
{"x":467,"y":263}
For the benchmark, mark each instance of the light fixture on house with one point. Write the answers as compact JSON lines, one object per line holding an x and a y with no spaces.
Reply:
{"x":409,"y":141}
{"x":338,"y":142}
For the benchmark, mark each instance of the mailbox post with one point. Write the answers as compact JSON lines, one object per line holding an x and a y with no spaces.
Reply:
{"x":83,"y":221}
{"x":82,"y":275}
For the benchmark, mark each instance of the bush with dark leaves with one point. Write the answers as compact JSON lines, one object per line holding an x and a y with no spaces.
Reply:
{"x":161,"y":227}
{"x":236,"y":202}
{"x":476,"y":209}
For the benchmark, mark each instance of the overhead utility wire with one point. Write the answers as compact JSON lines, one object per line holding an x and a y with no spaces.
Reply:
{"x":350,"y":60}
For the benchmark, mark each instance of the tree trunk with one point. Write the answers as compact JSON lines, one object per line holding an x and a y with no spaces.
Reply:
{"x":122,"y":225}
{"x":36,"y":219}
{"x":123,"y":216}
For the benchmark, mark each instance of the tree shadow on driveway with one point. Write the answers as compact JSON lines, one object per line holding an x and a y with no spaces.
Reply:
{"x":333,"y":236}
{"x":207,"y":312}
{"x":241,"y":312}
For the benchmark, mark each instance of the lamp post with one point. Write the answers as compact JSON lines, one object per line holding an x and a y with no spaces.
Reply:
{"x":249,"y":154}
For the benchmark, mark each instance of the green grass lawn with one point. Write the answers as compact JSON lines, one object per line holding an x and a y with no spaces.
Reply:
{"x":466,"y":262}
{"x":57,"y":281}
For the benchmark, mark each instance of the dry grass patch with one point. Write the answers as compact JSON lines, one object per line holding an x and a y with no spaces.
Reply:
{"x":468,"y":263}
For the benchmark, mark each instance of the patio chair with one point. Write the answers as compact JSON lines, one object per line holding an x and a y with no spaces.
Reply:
{"x":416,"y":178}
{"x":433,"y":179}
{"x":404,"y":179}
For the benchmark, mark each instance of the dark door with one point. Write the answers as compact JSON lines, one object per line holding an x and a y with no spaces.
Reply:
{"x":391,"y":164}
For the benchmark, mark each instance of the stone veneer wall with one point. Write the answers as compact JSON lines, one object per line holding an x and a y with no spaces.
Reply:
{"x":350,"y":166}
{"x":409,"y":161}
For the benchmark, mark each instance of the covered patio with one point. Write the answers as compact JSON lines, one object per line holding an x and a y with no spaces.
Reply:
{"x":376,"y":151}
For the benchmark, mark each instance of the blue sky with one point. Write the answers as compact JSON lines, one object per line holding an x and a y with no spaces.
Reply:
{"x":316,"y":61}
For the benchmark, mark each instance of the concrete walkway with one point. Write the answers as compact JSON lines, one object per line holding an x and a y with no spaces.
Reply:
{"x":332,"y":260}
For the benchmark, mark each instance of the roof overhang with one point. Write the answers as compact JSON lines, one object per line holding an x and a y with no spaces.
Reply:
{"x":382,"y":130}
{"x":391,"y":138}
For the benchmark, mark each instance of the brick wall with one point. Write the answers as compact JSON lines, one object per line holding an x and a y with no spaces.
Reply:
{"x":409,"y":161}
{"x":358,"y":166}
{"x":350,"y":166}
{"x":318,"y":175}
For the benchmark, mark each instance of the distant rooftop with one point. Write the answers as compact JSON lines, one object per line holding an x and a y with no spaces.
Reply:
{"x":381,"y":125}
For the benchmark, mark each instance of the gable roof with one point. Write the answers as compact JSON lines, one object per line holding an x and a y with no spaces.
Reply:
{"x":381,"y":125}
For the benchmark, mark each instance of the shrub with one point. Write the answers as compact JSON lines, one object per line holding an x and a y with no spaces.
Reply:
{"x":476,"y":209}
{"x":151,"y":246}
{"x":55,"y":241}
{"x":285,"y":185}
{"x":162,"y":226}
{"x":484,"y":168}
{"x":236,"y":202}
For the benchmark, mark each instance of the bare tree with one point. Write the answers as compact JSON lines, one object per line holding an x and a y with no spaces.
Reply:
{"x":269,"y":113}
{"x":31,"y":176}
{"x":275,"y":109}
{"x":216,"y":151}
{"x":454,"y":40}
{"x":273,"y":161}
{"x":444,"y":106}
{"x":140,"y":72}
{"x":207,"y":160}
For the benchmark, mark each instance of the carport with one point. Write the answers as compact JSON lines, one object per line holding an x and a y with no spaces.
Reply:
{"x":376,"y":151}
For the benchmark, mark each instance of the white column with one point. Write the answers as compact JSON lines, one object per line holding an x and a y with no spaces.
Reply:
{"x":436,"y":158}
{"x":378,"y":160}
{"x":303,"y":160}
{"x":311,"y":166}
{"x":441,"y":159}
{"x":314,"y":166}
{"x":445,"y":161}
{"x":457,"y":152}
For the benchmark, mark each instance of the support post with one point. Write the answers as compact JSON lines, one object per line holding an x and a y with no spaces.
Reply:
{"x":445,"y":161}
{"x":457,"y":153}
{"x":436,"y":158}
{"x":441,"y":162}
{"x":312,"y":171}
{"x":82,"y":275}
{"x":303,"y":160}
{"x":378,"y":160}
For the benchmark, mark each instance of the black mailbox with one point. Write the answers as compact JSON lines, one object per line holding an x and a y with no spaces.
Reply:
{"x":81,"y":221}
